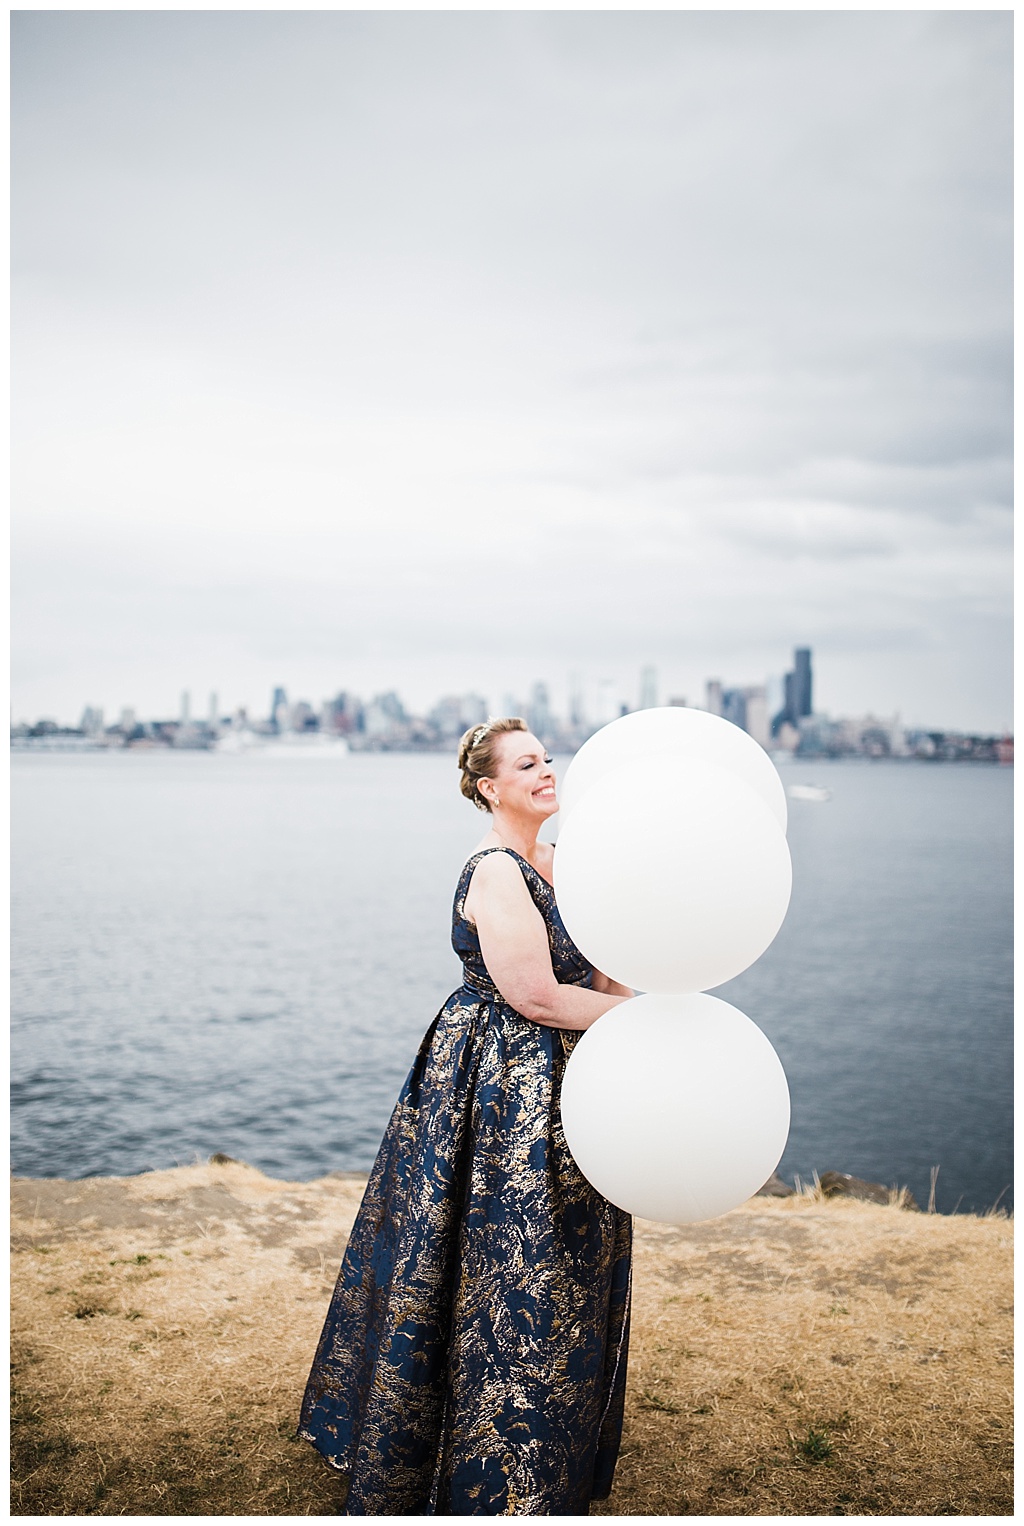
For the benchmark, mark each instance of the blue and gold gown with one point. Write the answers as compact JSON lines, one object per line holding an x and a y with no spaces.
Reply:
{"x":473,"y":1360}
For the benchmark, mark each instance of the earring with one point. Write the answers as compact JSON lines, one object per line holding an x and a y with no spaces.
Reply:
{"x":496,"y":800}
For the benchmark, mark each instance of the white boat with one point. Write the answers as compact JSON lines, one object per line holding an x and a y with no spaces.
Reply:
{"x":293,"y":744}
{"x":808,"y":792}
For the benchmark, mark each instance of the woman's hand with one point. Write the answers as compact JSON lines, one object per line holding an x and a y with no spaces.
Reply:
{"x":514,"y":945}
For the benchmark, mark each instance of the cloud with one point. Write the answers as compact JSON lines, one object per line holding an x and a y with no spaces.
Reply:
{"x":671,"y":336}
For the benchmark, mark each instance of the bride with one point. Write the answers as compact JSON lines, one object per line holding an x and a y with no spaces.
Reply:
{"x":473,"y":1359}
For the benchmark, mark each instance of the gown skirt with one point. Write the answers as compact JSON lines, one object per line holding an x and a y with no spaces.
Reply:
{"x":473,"y":1359}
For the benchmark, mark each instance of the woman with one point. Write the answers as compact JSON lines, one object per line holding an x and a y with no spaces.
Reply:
{"x":473,"y":1360}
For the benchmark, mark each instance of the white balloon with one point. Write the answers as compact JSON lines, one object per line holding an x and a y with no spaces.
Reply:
{"x":694,"y":734}
{"x":672,"y":875}
{"x":675,"y":1107}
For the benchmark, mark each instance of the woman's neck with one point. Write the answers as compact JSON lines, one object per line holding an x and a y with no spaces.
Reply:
{"x":521,"y":837}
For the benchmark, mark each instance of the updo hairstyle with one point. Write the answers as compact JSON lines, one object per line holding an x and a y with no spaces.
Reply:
{"x":478,"y":754}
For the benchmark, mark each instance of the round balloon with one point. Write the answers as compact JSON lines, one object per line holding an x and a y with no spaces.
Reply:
{"x":694,"y":734}
{"x":675,"y":1107}
{"x":672,"y":875}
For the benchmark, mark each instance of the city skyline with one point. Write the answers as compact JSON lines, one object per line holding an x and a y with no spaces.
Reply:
{"x":443,"y":350}
{"x":781,"y":703}
{"x":620,"y":683}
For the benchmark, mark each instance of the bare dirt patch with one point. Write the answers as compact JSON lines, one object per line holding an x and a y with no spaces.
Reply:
{"x":798,"y":1357}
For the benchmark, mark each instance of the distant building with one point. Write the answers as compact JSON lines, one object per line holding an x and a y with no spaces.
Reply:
{"x":302,"y":717}
{"x":798,"y":699}
{"x":802,"y":682}
{"x":745,"y":707}
{"x":538,"y":714}
{"x":391,"y":706}
{"x":474,"y":710}
{"x":454,"y":713}
{"x":648,"y":688}
{"x":607,"y":708}
{"x":447,"y":716}
{"x":734,"y":707}
{"x":385,"y":719}
{"x":820,"y":738}
{"x":577,"y":712}
{"x":756,"y":722}
{"x":343,"y":715}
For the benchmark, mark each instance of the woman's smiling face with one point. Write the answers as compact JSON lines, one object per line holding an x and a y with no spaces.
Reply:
{"x":524,"y":781}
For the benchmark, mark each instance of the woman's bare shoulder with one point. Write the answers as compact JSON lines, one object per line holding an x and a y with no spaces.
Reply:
{"x":496,"y":882}
{"x":496,"y":868}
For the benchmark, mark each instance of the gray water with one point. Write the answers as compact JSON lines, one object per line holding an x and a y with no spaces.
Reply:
{"x":242,"y":954}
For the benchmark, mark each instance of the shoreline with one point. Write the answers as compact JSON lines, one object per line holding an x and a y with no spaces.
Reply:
{"x":824,"y":1185}
{"x":799,"y":1356}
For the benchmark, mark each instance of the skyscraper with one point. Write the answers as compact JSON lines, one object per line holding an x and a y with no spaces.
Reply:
{"x":798,"y":702}
{"x":802,"y":682}
{"x":577,"y":715}
{"x":538,"y":714}
{"x":734,"y":707}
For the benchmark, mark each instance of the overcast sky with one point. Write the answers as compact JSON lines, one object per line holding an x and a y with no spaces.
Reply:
{"x":447,"y":351}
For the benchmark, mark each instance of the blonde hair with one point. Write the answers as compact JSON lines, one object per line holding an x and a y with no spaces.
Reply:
{"x":478,"y":754}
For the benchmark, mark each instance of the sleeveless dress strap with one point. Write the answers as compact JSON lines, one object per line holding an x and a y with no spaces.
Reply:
{"x":472,"y":862}
{"x":470,"y":865}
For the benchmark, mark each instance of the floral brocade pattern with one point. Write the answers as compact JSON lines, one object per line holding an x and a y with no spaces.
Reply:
{"x":473,"y":1359}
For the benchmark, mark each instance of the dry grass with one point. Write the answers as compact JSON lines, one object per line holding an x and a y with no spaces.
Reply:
{"x":795,"y":1358}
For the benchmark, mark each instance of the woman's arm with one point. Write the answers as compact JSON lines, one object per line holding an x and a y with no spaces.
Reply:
{"x":514,"y":945}
{"x":611,"y":987}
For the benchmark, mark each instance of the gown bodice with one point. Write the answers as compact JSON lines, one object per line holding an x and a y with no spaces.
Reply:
{"x":569,"y":966}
